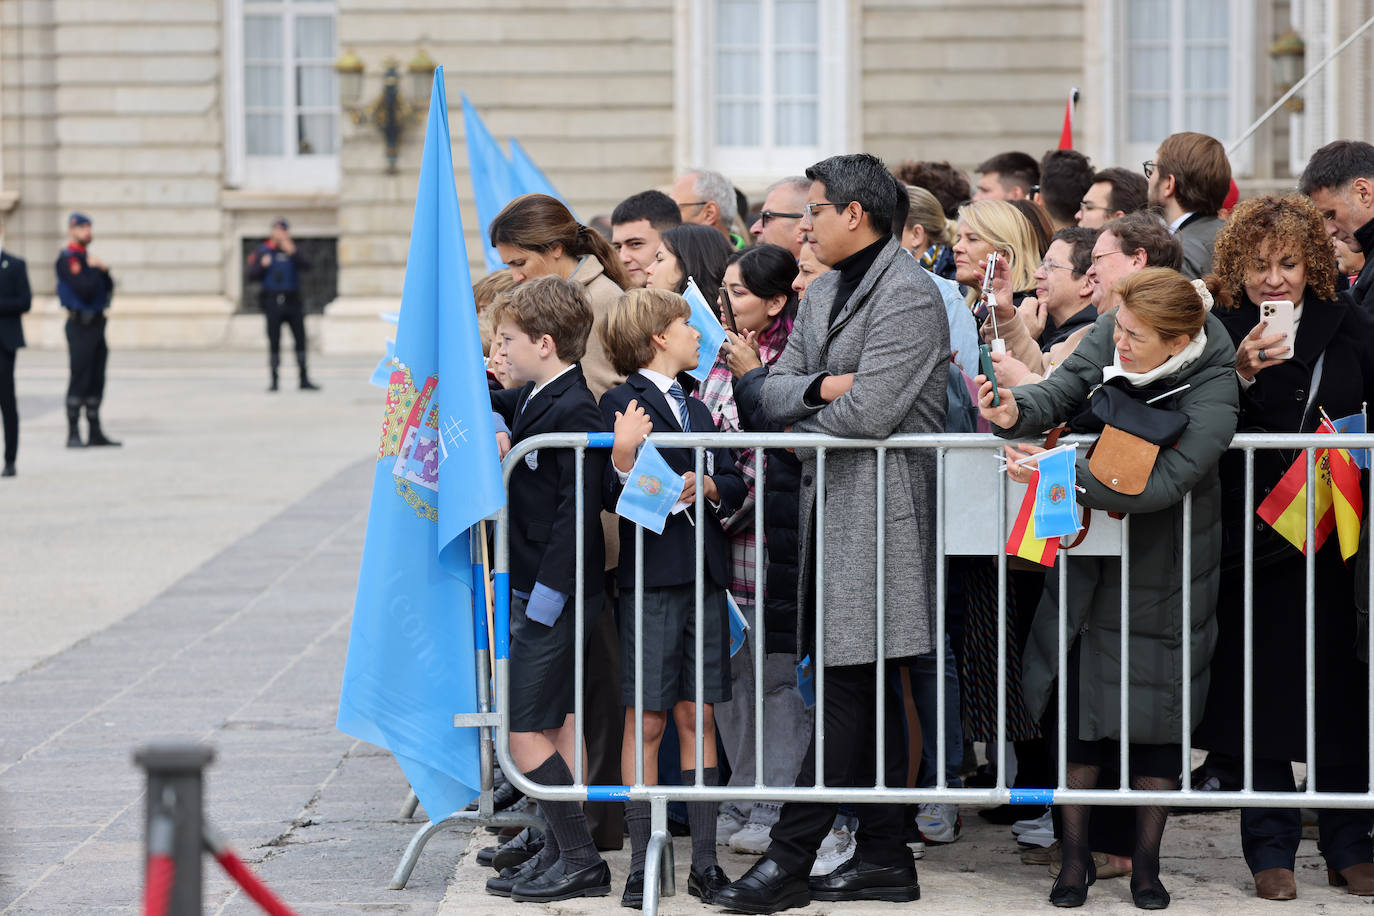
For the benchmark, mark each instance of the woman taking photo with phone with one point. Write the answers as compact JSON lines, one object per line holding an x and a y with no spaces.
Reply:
{"x":1167,"y":351}
{"x":1275,"y":249}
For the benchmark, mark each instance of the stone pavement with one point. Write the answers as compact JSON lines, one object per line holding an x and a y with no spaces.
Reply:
{"x":198,"y":583}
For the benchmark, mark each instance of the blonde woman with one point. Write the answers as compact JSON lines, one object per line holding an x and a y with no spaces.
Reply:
{"x":928,"y":235}
{"x":985,"y":226}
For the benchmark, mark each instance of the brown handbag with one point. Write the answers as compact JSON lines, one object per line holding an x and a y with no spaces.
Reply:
{"x":1121,"y":461}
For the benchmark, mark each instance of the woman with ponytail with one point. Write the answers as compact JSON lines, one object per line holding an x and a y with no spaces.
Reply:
{"x":536,"y":236}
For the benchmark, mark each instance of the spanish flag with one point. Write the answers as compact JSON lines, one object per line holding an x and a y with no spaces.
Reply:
{"x":1023,"y":542}
{"x":1338,"y":499}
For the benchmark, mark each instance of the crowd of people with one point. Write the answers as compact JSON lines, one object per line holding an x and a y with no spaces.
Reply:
{"x":854,"y":301}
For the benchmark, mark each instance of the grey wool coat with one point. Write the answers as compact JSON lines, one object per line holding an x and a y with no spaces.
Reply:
{"x":894,"y":336}
{"x":1156,"y":541}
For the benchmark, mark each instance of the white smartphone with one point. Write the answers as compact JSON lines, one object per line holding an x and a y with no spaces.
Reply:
{"x":1279,"y":315}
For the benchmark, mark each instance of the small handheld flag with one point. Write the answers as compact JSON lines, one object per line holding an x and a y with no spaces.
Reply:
{"x":1056,"y":508}
{"x":706,"y":323}
{"x":1066,"y":132}
{"x":651,"y":491}
{"x":1022,"y":541}
{"x":738,"y":625}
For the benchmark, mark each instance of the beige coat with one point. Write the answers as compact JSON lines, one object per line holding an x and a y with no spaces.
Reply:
{"x":1024,"y":347}
{"x":602,"y":292}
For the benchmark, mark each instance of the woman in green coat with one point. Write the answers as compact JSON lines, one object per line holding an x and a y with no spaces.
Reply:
{"x":1159,"y":343}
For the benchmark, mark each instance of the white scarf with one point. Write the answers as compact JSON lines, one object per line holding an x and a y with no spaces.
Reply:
{"x":1175,"y":363}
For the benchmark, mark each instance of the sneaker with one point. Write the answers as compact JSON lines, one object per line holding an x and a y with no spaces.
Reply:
{"x":728,"y":823}
{"x":939,"y":824}
{"x":836,"y":849}
{"x":751,"y":838}
{"x":1041,"y":835}
{"x":1032,"y":823}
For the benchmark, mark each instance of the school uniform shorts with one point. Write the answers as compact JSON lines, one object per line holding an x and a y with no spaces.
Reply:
{"x":670,"y":646}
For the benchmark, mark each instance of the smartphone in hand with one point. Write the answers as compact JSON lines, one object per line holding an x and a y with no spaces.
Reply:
{"x":1278,"y":313}
{"x":986,"y":367}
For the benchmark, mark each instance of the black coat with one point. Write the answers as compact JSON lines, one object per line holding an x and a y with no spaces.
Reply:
{"x":1363,"y":290}
{"x":15,"y":300}
{"x":670,"y":557}
{"x":1277,"y":403}
{"x":781,"y":482}
{"x":543,"y":488}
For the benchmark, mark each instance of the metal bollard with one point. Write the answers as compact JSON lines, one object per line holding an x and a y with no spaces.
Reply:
{"x":175,"y":791}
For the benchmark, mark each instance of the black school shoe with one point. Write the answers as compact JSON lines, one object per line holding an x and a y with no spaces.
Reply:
{"x":856,"y":880}
{"x":764,"y":888}
{"x":501,"y":885}
{"x":707,"y":884}
{"x":633,"y":898}
{"x":523,"y":846}
{"x":561,"y":883}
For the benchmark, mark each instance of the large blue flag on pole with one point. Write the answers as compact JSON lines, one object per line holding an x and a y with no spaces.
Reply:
{"x":494,"y":181}
{"x":410,"y":653}
{"x":529,"y":179}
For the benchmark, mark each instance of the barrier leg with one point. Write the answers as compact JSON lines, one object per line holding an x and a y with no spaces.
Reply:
{"x":409,"y":805}
{"x":658,"y":859}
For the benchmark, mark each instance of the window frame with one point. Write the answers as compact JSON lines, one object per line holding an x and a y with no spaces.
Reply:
{"x":695,"y":71}
{"x":1240,"y":93}
{"x":291,"y":171}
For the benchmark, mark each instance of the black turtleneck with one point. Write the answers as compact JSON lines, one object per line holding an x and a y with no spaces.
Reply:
{"x":852,"y":270}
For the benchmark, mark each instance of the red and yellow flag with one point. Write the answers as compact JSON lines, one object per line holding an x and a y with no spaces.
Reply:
{"x":1338,"y":500}
{"x":1022,"y":542}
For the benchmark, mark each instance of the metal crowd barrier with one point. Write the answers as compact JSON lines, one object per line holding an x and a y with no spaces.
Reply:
{"x":974,"y":511}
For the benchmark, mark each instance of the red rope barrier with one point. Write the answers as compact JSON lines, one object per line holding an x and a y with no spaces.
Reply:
{"x":243,"y":875}
{"x":157,"y":892}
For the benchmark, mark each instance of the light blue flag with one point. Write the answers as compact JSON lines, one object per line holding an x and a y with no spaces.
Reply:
{"x":410,"y":653}
{"x":651,"y":492}
{"x":381,"y":376}
{"x":1056,"y":502}
{"x":494,"y":182}
{"x":529,"y":179}
{"x":704,"y":320}
{"x":738,"y":625}
{"x":1354,"y":424}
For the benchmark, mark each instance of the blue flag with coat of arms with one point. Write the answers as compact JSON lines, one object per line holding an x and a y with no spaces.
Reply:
{"x":1056,"y":497}
{"x":410,"y":660}
{"x":651,"y":492}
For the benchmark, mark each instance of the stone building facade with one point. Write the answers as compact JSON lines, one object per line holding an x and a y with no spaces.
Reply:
{"x":183,"y":126}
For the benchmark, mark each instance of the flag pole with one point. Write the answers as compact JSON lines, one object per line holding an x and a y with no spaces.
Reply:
{"x":487,"y":589}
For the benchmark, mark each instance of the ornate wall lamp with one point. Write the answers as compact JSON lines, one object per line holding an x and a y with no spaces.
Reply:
{"x":390,"y":111}
{"x":1286,"y":53}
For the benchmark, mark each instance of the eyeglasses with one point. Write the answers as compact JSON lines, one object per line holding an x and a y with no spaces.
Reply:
{"x":1098,"y":257}
{"x":767,"y":215}
{"x":693,"y":203}
{"x":1047,"y":264}
{"x":812,"y":208}
{"x":1149,"y":166}
{"x":1088,"y":206}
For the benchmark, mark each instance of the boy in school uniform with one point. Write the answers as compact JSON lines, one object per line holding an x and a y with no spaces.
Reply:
{"x":543,"y":326}
{"x":648,"y":339}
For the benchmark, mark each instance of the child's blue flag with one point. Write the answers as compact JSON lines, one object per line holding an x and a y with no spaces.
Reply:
{"x":1354,"y":424}
{"x":738,"y":625}
{"x":706,"y":323}
{"x":493,"y":179}
{"x":410,"y":651}
{"x":651,"y":492}
{"x":806,"y":682}
{"x":1056,"y":503}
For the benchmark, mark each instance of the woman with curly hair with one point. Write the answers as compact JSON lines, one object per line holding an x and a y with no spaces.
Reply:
{"x":1276,"y":248}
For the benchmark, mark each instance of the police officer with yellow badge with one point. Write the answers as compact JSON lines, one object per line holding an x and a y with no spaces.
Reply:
{"x":84,"y":288}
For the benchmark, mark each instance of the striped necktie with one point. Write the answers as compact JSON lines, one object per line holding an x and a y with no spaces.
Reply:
{"x":677,"y":394}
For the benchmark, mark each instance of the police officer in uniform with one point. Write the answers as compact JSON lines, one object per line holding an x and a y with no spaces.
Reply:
{"x":84,"y":288}
{"x":278,"y":264}
{"x":15,"y":299}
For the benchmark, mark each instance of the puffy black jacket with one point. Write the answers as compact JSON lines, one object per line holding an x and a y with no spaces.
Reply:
{"x":781,"y":481}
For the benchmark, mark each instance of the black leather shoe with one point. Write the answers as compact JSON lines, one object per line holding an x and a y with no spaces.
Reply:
{"x":1071,"y":895}
{"x":558,"y":883}
{"x":505,"y":795}
{"x":633,"y":898}
{"x":707,"y":884}
{"x":502,"y":884}
{"x":856,"y":880}
{"x":764,"y":888}
{"x":9,"y":469}
{"x":1151,"y":897}
{"x":524,"y":845}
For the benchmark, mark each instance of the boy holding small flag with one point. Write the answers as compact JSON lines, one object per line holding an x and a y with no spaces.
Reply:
{"x":647,"y":337}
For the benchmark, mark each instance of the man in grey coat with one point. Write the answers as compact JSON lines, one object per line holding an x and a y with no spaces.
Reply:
{"x":868,"y":358}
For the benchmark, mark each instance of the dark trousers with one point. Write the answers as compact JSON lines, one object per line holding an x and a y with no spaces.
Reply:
{"x":850,"y":739}
{"x":87,"y":355}
{"x":285,"y":308}
{"x":604,"y":729}
{"x":1269,"y":836}
{"x":9,"y":407}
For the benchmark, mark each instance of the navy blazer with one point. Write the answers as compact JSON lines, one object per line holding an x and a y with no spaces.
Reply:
{"x":542,"y":491}
{"x":670,"y":557}
{"x":15,"y":300}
